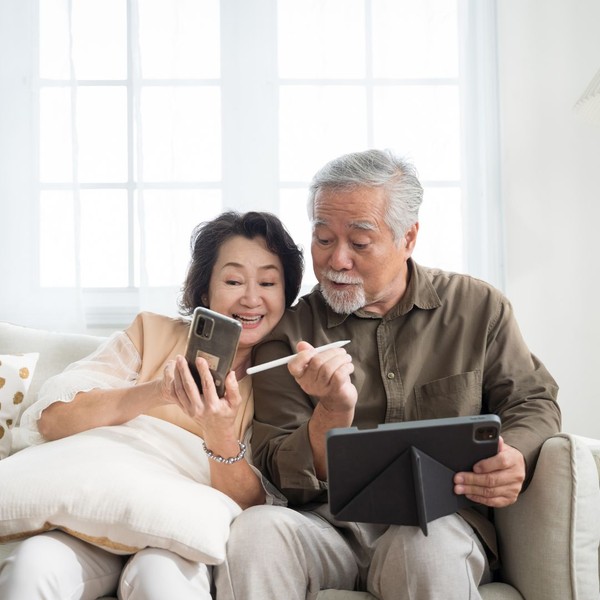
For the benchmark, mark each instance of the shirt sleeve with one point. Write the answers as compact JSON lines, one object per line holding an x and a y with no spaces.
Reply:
{"x":280,"y":440}
{"x":519,"y":388}
{"x":272,"y":495}
{"x":115,"y":364}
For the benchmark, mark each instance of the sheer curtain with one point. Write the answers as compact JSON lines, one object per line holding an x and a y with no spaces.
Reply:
{"x":22,"y":301}
{"x":123,"y":123}
{"x":83,"y":244}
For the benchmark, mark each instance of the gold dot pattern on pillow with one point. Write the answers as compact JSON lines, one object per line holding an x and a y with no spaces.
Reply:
{"x":16,"y":373}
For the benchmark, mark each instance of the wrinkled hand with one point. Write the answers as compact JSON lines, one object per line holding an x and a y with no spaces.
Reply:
{"x":325,"y":376}
{"x":207,"y":409}
{"x":495,"y":481}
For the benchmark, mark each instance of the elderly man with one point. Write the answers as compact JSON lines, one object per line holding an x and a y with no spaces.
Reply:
{"x":425,"y":344}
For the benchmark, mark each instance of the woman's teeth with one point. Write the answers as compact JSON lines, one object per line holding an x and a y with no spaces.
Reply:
{"x":254,"y":319}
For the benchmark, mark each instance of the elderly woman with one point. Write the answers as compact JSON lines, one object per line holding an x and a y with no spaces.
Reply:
{"x":245,"y":266}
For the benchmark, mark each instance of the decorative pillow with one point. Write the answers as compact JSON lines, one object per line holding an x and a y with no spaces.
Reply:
{"x":123,"y":488}
{"x":16,"y":373}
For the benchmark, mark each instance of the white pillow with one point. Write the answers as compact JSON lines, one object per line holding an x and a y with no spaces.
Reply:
{"x":16,"y":373}
{"x":122,"y":488}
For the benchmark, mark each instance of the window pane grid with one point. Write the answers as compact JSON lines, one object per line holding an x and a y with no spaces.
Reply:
{"x":383,"y":84}
{"x":369,"y":81}
{"x":281,"y":116}
{"x":82,"y":175}
{"x":142,"y":82}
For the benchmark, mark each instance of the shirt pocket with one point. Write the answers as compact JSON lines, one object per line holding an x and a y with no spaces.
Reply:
{"x":454,"y":396}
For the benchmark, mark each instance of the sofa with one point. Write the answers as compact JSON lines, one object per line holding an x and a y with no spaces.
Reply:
{"x":549,"y":539}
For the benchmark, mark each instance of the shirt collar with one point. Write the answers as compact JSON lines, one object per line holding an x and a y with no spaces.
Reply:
{"x":420,"y":293}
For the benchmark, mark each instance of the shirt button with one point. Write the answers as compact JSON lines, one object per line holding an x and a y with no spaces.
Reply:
{"x":390,"y":376}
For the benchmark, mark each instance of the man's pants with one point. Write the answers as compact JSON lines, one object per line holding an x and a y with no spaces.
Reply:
{"x":275,"y":552}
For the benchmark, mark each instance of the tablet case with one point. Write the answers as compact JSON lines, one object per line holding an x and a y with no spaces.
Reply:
{"x":402,"y":473}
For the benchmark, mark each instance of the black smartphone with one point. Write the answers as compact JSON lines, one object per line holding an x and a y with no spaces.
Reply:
{"x":214,"y":337}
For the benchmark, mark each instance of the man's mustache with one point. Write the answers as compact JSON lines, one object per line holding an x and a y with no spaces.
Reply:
{"x":337,"y":277}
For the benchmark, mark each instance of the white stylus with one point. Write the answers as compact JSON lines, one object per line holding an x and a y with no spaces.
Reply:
{"x":286,"y":359}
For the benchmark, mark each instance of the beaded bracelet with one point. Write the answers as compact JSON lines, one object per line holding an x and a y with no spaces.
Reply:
{"x":226,"y":461}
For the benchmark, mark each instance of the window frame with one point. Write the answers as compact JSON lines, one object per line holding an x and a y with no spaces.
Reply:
{"x":245,"y":185}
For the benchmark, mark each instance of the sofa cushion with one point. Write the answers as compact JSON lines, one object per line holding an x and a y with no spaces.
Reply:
{"x":549,"y":539}
{"x":16,"y":374}
{"x":56,"y":351}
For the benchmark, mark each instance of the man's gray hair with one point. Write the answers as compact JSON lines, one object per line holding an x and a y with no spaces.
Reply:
{"x":375,"y":168}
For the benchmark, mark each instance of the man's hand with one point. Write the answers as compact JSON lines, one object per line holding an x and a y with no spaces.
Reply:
{"x":325,"y":376}
{"x":495,"y":481}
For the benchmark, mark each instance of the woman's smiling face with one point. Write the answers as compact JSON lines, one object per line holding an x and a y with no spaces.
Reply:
{"x":247,"y":284}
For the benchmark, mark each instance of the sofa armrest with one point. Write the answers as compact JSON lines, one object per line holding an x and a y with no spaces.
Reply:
{"x":549,"y":538}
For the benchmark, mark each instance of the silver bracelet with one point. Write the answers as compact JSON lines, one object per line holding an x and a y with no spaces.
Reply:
{"x":226,"y":461}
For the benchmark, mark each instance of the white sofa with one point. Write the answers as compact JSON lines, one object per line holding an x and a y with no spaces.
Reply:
{"x":549,"y":539}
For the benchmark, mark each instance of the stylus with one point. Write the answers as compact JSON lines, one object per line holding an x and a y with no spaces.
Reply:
{"x":286,"y":359}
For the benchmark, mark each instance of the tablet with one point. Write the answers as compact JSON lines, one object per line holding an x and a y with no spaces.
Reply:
{"x":402,"y":473}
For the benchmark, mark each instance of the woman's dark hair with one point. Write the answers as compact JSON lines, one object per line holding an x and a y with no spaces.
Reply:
{"x":208,"y":237}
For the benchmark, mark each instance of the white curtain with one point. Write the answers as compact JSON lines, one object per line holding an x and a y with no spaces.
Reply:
{"x":21,"y":299}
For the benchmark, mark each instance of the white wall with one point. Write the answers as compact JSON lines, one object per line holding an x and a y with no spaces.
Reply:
{"x":549,"y":50}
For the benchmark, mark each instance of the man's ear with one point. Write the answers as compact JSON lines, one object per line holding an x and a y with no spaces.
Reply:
{"x":410,"y":237}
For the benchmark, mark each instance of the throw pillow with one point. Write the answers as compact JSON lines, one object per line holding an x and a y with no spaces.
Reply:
{"x":122,"y":488}
{"x":16,"y":373}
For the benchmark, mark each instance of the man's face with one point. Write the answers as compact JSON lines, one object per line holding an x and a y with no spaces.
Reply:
{"x":355,"y":258}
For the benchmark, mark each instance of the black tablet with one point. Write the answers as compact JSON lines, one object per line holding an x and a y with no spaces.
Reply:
{"x":402,"y":473}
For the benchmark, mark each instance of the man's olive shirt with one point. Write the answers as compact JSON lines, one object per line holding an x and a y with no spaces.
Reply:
{"x":450,"y":347}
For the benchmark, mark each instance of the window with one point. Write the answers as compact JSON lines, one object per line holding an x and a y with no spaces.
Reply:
{"x":130,"y":139}
{"x":154,"y":115}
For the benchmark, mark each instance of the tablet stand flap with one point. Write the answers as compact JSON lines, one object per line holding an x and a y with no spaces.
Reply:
{"x":434,"y":495}
{"x":413,"y":489}
{"x":388,"y":498}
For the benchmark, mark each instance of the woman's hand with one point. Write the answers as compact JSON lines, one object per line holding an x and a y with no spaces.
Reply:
{"x":212,"y":413}
{"x":216,"y":417}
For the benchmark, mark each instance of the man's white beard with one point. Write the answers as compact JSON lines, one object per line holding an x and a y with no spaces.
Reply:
{"x":345,"y":301}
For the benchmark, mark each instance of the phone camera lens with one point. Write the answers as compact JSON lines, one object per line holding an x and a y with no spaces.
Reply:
{"x":485,"y":433}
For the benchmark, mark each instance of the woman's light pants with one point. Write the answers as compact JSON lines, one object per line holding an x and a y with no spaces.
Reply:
{"x":57,"y":566}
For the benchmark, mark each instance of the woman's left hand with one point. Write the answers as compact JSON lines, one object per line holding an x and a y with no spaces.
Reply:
{"x":207,"y":409}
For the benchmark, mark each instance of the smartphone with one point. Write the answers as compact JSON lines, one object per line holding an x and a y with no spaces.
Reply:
{"x":214,"y":337}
